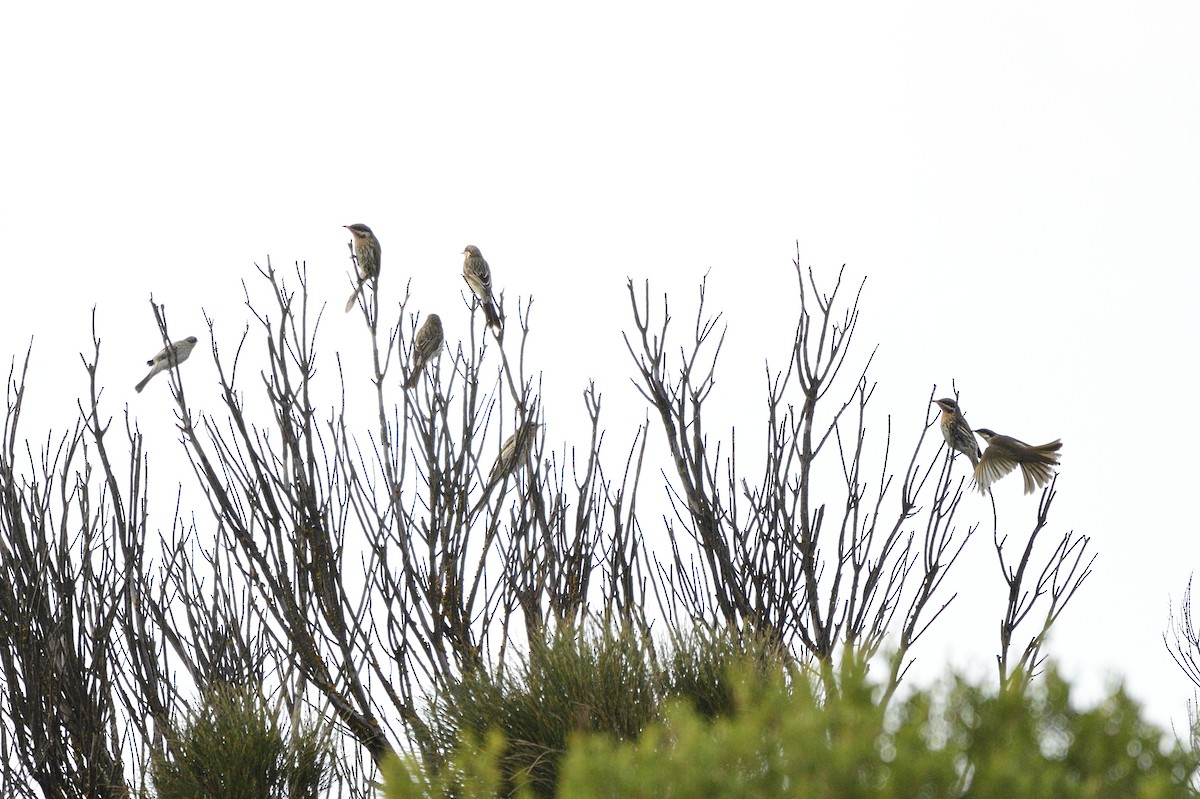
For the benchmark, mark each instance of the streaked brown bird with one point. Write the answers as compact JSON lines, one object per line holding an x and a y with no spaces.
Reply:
{"x":514,"y":454}
{"x":366,"y":258}
{"x":1005,"y":453}
{"x":957,"y":432}
{"x":167,"y":357}
{"x":479,"y":278}
{"x":426,"y":345}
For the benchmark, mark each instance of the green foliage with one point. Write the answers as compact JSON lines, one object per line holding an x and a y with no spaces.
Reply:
{"x":783,"y":742}
{"x":610,"y":681}
{"x":572,"y":683}
{"x":1038,"y":745}
{"x":786,"y":736}
{"x":232,"y":747}
{"x":473,"y":771}
{"x":697,"y":669}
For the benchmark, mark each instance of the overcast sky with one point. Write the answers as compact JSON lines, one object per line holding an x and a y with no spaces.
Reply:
{"x":1019,"y":186}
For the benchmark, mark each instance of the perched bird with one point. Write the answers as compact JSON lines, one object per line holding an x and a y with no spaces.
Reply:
{"x":366,"y":258}
{"x":957,"y":432}
{"x":167,"y":357}
{"x":514,"y":454}
{"x":427,"y":344}
{"x":479,"y":278}
{"x":1004,"y":453}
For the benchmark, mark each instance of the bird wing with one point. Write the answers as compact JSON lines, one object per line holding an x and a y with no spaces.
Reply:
{"x":479,"y":277}
{"x":991,"y":468}
{"x":181,"y":349}
{"x":1036,"y":475}
{"x":158,"y":356}
{"x":376,"y":256}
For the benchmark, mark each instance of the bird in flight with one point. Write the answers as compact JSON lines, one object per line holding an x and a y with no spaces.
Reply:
{"x":1005,"y":453}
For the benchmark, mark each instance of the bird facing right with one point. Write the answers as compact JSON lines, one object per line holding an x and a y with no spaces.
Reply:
{"x":514,"y":455}
{"x":426,"y":344}
{"x":1005,"y":453}
{"x":514,"y":452}
{"x":167,"y":357}
{"x":479,"y":278}
{"x":367,"y":255}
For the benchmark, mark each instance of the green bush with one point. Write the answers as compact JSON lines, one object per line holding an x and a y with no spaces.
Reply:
{"x":572,"y":683}
{"x":1039,"y":745}
{"x":232,"y":747}
{"x":606,"y":680}
{"x":966,"y":742}
{"x":786,"y":738}
{"x":697,"y":669}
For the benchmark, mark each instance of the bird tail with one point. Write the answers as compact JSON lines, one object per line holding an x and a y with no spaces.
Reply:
{"x":138,"y":388}
{"x":482,"y":501}
{"x":354,"y":297}
{"x":493,"y":318}
{"x":1036,"y":470}
{"x":412,"y":379}
{"x":1049,"y":450}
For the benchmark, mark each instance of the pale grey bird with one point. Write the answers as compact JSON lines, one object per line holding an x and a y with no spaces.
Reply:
{"x":479,"y":278}
{"x":426,"y":345}
{"x":167,"y":357}
{"x":366,"y":258}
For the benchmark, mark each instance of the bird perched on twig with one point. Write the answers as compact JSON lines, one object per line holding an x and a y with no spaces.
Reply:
{"x":957,"y":432}
{"x":171,"y":355}
{"x":428,"y":343}
{"x":1005,"y":453}
{"x":514,"y":454}
{"x":479,"y":278}
{"x":366,"y":258}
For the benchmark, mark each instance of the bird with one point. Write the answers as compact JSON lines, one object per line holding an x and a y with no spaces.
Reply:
{"x":957,"y":432}
{"x":428,"y":343}
{"x":1005,"y":453}
{"x":366,"y":258}
{"x":479,"y":278}
{"x":514,"y":454}
{"x":168,"y":356}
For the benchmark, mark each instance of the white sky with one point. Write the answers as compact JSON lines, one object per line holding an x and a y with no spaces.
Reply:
{"x":1018,"y":184}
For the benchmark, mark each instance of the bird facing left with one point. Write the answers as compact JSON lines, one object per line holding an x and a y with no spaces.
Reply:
{"x":957,"y":432}
{"x":478,"y":275}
